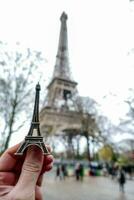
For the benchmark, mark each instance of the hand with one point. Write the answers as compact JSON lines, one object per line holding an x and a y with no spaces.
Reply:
{"x":21,"y":176}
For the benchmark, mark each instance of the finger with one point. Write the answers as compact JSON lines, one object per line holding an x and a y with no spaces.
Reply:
{"x":7,"y":178}
{"x":48,"y":160}
{"x":5,"y":190}
{"x":8,"y":159}
{"x":31,"y":168}
{"x":49,"y":148}
{"x":48,"y":167}
{"x":38,"y":193}
{"x":40,"y":180}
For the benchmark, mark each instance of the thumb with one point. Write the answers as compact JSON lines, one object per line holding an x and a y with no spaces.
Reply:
{"x":31,"y":168}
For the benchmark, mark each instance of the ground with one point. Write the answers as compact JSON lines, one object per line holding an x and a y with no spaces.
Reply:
{"x":92,"y":188}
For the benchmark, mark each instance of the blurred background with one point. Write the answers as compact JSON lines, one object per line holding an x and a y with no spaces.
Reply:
{"x":82,"y":54}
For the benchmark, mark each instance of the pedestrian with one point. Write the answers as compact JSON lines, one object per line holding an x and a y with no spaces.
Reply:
{"x":114,"y":171}
{"x":21,"y":177}
{"x":58,"y":172}
{"x":121,"y":179}
{"x":81,"y":171}
{"x":130,"y":172}
{"x":64,"y":171}
{"x":77,"y":171}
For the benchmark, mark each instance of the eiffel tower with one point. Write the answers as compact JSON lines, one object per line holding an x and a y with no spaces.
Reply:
{"x":34,"y":136}
{"x":58,"y":113}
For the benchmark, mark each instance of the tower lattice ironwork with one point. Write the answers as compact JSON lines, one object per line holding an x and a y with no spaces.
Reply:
{"x":59,"y":111}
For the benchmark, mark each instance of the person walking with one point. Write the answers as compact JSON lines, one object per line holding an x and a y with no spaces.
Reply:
{"x":64,"y":171}
{"x":81,"y":172}
{"x":58,"y":172}
{"x":77,"y":171}
{"x":122,"y":180}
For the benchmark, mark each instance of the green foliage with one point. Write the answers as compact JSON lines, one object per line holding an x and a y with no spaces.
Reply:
{"x":115,"y":157}
{"x":106,"y":153}
{"x":123,"y":160}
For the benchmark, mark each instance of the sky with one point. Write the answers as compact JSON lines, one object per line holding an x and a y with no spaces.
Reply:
{"x":100,"y":39}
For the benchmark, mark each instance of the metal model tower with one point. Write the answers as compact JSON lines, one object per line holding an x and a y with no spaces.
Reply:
{"x":34,"y":136}
{"x":57,"y":114}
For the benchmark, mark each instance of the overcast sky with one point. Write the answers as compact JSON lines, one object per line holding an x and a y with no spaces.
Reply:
{"x":101,"y":42}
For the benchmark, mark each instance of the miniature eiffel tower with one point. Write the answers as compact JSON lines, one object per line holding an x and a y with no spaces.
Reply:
{"x":30,"y":139}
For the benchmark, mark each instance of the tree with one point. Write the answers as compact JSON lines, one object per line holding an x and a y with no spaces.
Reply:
{"x":107,"y":128}
{"x":127,"y":124}
{"x":19,"y":73}
{"x":123,"y":160}
{"x":106,"y":153}
{"x":87,"y":108}
{"x":96,"y":127}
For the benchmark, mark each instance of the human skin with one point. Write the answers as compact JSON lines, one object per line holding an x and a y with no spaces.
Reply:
{"x":21,"y":176}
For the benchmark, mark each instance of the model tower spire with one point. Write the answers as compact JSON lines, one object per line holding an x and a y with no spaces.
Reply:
{"x":35,"y":119}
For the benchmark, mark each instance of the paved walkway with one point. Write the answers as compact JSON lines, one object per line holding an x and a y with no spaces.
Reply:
{"x":92,"y":188}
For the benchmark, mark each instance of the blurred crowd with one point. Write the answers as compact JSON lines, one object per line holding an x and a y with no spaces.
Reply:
{"x":79,"y":171}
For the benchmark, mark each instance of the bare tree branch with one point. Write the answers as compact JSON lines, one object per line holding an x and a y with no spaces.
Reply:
{"x":16,"y":82}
